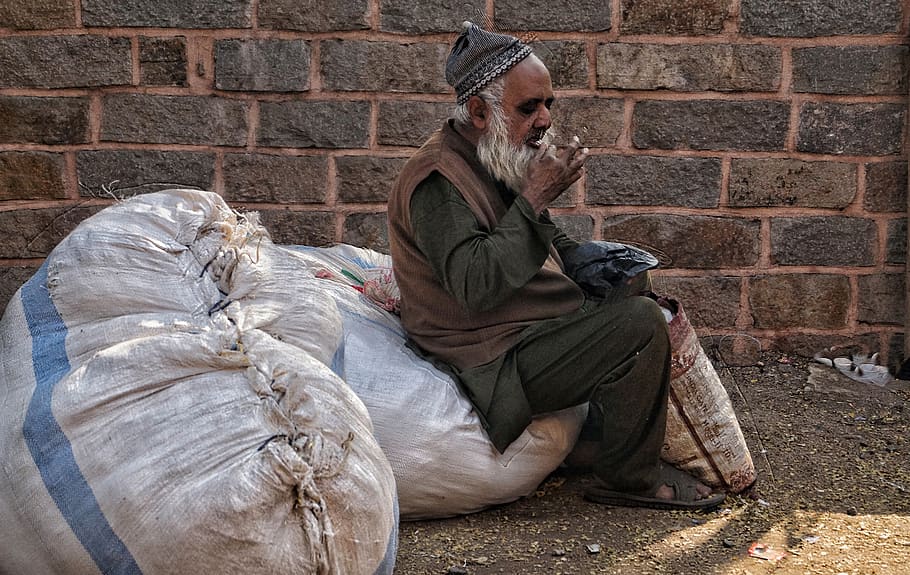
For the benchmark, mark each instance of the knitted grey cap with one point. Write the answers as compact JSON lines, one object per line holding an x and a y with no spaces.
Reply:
{"x":478,"y":57}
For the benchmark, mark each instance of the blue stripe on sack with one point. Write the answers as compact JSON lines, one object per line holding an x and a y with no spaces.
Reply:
{"x":49,"y":446}
{"x":387,"y":567}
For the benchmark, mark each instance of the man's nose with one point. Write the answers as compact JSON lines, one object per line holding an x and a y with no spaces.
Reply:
{"x":543,"y":118}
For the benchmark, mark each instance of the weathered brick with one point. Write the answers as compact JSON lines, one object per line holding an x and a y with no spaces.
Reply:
{"x":313,"y":124}
{"x":410,"y":123}
{"x":549,"y":15}
{"x":881,"y":298}
{"x":27,"y":119}
{"x":678,"y":17}
{"x":653,"y":181}
{"x":37,"y":15}
{"x":567,"y":63}
{"x":695,"y":68}
{"x":597,"y":122}
{"x":855,"y":129}
{"x":570,"y":197}
{"x":299,"y":228}
{"x":11,"y":279}
{"x":64,"y":61}
{"x":886,"y":187}
{"x":167,"y":13}
{"x":711,"y":125}
{"x":896,"y":247}
{"x":314,"y":15}
{"x":894,"y":355}
{"x":173,"y":119}
{"x":784,"y":182}
{"x":421,"y":17}
{"x":367,"y":231}
{"x":366,"y":178}
{"x":578,"y":227}
{"x":867,"y":70}
{"x":130,"y":172}
{"x":702,"y":242}
{"x":810,"y":18}
{"x":269,"y":65}
{"x":279,"y":179}
{"x":162,"y":61}
{"x":814,"y":301}
{"x":709,"y":302}
{"x":823,"y":241}
{"x":807,"y":345}
{"x":34,"y":233}
{"x":32,"y":176}
{"x":353,"y":65}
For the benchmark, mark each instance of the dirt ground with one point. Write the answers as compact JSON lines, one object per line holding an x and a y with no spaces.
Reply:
{"x":833,"y":494}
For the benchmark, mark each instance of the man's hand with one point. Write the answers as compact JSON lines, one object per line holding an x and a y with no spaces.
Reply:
{"x":551,"y":171}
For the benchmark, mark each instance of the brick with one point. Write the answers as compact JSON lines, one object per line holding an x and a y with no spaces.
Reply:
{"x":38,"y":120}
{"x":698,"y":242}
{"x":854,"y":129}
{"x":11,"y":279}
{"x":37,"y":15}
{"x":711,"y":125}
{"x":894,"y":354}
{"x":421,"y":17}
{"x":275,"y":179}
{"x":366,"y":178}
{"x":896,"y":247}
{"x":807,"y":345}
{"x":811,"y":18}
{"x":814,"y":301}
{"x":709,"y":302}
{"x":598,"y":122}
{"x":64,"y":61}
{"x":553,"y":16}
{"x":131,"y":172}
{"x":353,"y":65}
{"x":410,"y":123}
{"x":314,"y":124}
{"x":886,"y":187}
{"x":823,"y":241}
{"x":314,"y":15}
{"x":32,"y":176}
{"x":866,"y":70}
{"x":881,"y":298}
{"x":269,"y":65}
{"x":162,"y":61}
{"x":34,"y":233}
{"x":567,"y":63}
{"x":784,"y":182}
{"x":653,"y":181}
{"x":367,"y":231}
{"x":579,"y":227}
{"x":204,"y":120}
{"x":677,"y":17}
{"x":693,"y":68}
{"x":289,"y":227}
{"x":570,"y":197}
{"x":167,"y":13}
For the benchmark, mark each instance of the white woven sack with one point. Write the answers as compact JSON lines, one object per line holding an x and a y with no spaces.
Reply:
{"x":703,"y":435}
{"x":444,"y":464}
{"x":166,"y":408}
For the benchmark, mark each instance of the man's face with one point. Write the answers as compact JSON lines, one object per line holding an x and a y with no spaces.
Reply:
{"x":526,"y":100}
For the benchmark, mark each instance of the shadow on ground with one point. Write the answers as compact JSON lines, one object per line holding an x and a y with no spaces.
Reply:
{"x":833,"y":494}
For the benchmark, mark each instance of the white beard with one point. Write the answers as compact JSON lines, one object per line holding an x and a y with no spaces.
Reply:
{"x":504,"y":160}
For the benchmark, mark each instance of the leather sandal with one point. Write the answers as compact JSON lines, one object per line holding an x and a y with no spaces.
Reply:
{"x":685,"y":493}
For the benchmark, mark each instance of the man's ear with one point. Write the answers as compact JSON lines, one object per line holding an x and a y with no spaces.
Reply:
{"x":479,"y":112}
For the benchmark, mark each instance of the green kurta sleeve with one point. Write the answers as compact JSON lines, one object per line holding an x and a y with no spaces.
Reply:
{"x":480,"y":268}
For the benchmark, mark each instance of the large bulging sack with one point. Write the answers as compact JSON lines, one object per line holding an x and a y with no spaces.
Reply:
{"x":443,"y":461}
{"x":167,"y":406}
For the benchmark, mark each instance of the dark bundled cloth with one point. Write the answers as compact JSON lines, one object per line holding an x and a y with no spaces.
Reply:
{"x":599,"y":267}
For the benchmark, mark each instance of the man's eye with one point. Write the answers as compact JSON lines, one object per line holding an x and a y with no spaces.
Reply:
{"x":527,"y":109}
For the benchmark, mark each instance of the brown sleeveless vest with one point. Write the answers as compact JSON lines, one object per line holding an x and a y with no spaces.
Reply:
{"x":433,"y":318}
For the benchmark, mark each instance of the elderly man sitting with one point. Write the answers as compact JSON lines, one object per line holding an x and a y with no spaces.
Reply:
{"x":484,"y":290}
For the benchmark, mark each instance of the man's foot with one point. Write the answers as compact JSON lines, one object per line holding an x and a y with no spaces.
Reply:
{"x":676,"y":490}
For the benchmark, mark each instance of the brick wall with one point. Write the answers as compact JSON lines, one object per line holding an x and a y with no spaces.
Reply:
{"x":757,"y":145}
